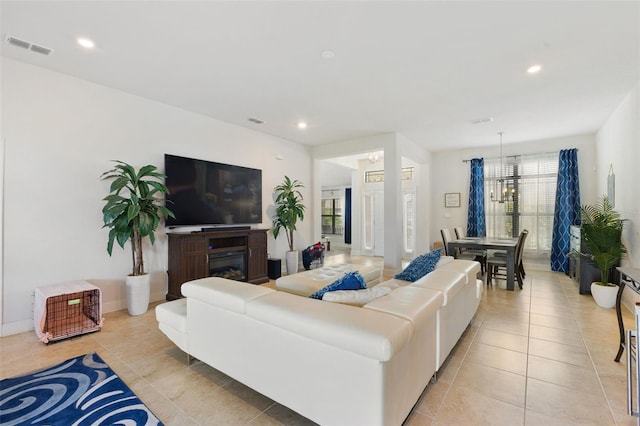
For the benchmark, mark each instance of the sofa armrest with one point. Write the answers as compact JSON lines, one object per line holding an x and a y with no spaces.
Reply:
{"x":224,"y":293}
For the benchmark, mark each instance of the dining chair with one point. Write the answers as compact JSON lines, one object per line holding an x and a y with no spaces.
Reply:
{"x":497,"y":265}
{"x":477,"y":255}
{"x":503,"y":253}
{"x":446,"y":238}
{"x":481,"y":255}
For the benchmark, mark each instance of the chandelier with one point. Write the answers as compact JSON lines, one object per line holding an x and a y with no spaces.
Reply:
{"x":502,"y":187}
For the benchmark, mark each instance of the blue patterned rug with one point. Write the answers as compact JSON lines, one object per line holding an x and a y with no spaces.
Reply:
{"x":79,"y":391}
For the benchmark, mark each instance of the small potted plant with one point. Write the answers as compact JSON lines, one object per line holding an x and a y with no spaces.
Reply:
{"x":289,"y":209}
{"x":132,"y":212}
{"x":602,"y":237}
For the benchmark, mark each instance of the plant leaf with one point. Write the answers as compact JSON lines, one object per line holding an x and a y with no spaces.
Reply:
{"x":131,"y":210}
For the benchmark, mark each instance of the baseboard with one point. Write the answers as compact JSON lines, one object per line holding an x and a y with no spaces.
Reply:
{"x":107,"y":306}
{"x":16,"y":327}
{"x":157,"y":296}
{"x":120,"y":304}
{"x":113,"y":305}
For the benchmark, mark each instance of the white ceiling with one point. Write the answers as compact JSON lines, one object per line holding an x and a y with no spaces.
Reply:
{"x":423,"y":69}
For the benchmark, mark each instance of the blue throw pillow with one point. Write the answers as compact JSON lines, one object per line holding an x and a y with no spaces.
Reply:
{"x":420,"y":266}
{"x":350,"y":281}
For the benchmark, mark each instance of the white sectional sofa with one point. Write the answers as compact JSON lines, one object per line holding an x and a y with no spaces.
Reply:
{"x":332,"y":363}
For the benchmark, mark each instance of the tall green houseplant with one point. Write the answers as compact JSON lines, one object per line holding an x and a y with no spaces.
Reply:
{"x":133,"y":209}
{"x":602,"y":231}
{"x":289,"y":208}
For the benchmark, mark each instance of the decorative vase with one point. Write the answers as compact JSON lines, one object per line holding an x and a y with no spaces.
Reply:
{"x":137,"y":287}
{"x":604,"y":295}
{"x":292,"y":262}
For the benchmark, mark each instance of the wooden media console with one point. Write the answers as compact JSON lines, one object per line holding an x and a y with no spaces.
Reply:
{"x":233,"y":254}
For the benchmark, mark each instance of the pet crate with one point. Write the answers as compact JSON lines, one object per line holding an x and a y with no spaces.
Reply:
{"x":66,"y":310}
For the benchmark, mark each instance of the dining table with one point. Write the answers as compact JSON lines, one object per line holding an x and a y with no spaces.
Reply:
{"x":507,"y":245}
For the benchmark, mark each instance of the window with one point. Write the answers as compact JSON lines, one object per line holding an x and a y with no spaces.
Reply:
{"x":332,"y":216}
{"x":408,"y":221}
{"x":373,"y":176}
{"x":530,"y":185}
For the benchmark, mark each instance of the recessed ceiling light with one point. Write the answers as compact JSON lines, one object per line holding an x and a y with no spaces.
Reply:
{"x":483,"y":120}
{"x":86,"y":43}
{"x":302,"y":125}
{"x":533,"y":69}
{"x":328,"y":54}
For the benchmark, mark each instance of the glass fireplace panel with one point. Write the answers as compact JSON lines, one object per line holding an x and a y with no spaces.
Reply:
{"x":230,"y":265}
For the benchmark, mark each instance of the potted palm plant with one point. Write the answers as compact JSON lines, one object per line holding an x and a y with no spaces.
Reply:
{"x":602,"y":237}
{"x":132,"y":212}
{"x":289,"y":209}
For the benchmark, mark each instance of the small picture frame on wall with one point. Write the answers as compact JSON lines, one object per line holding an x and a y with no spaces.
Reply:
{"x":452,"y":199}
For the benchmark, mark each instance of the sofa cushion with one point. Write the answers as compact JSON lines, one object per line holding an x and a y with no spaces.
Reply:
{"x":420,"y":266}
{"x":470,"y":268}
{"x":356,"y":297}
{"x":365,"y":332}
{"x":308,"y":282}
{"x":447,"y":281}
{"x":412,"y":303}
{"x":224,"y":293}
{"x":349,"y":281}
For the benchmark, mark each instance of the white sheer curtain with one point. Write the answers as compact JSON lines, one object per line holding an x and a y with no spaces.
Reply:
{"x":530,"y":185}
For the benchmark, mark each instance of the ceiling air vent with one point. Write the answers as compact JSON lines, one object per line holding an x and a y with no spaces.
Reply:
{"x":29,"y":46}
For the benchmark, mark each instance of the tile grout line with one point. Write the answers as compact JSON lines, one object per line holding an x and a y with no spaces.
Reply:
{"x":593,"y":364}
{"x":526,"y":367}
{"x":464,"y":357}
{"x":263,"y":412}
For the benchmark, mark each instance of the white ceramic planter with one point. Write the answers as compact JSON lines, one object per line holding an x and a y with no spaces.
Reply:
{"x":137,"y":288}
{"x":291,"y":260}
{"x":604,"y":295}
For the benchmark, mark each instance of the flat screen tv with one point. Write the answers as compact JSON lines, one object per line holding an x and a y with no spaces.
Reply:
{"x":207,"y":193}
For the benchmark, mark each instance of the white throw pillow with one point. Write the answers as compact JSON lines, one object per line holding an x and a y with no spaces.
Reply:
{"x":356,"y":297}
{"x":444,"y":260}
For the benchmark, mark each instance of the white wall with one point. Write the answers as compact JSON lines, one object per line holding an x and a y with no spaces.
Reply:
{"x":334,"y":175}
{"x":420,"y":159}
{"x":396,"y":147}
{"x":60,"y":133}
{"x":450,"y":174}
{"x":1,"y":225}
{"x":341,"y":149}
{"x":353,"y":146}
{"x":618,"y":144}
{"x":337,"y":150}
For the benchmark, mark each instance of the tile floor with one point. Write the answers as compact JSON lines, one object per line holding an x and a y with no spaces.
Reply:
{"x":538,"y":356}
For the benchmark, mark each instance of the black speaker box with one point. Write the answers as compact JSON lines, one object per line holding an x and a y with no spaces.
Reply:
{"x":274,"y":268}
